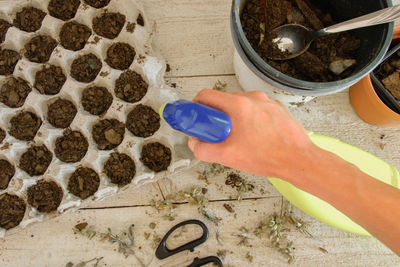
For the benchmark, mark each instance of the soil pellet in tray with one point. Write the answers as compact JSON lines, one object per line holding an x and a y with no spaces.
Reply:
{"x":97,"y":3}
{"x":109,"y":25}
{"x":120,"y":169}
{"x":156,"y":156}
{"x":84,"y":182}
{"x":14,"y":92}
{"x":39,"y":48}
{"x":108,"y":133}
{"x":8,"y":60}
{"x":140,"y":20}
{"x":61,"y":113}
{"x":86,"y":68}
{"x":4,"y":26}
{"x":29,"y":19}
{"x":130,"y":87}
{"x":2,"y":135}
{"x":45,"y":196}
{"x":12,"y":211}
{"x":73,"y":35}
{"x":63,"y":9}
{"x":49,"y":80}
{"x":35,"y":160}
{"x":120,"y":56}
{"x":7,"y":171}
{"x":143,"y":121}
{"x":71,"y":147}
{"x":96,"y":100}
{"x":24,"y":126}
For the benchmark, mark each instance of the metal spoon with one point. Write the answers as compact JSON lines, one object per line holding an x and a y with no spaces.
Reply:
{"x":294,"y":39}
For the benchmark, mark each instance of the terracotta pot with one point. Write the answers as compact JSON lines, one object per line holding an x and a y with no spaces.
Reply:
{"x":367,"y":104}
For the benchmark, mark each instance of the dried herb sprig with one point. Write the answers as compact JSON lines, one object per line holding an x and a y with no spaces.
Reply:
{"x":84,"y":263}
{"x":85,"y":230}
{"x":287,"y":252}
{"x":239,"y":183}
{"x":219,"y":86}
{"x":221,"y":253}
{"x":210,"y":171}
{"x":244,"y":237}
{"x":249,"y":256}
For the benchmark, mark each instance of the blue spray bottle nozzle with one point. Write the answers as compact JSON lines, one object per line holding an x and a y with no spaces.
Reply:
{"x":197,"y":120}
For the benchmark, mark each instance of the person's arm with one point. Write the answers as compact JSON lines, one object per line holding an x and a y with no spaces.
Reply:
{"x":266,"y":140}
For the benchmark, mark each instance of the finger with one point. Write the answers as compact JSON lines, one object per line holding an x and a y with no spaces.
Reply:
{"x":204,"y":151}
{"x":216,"y":99}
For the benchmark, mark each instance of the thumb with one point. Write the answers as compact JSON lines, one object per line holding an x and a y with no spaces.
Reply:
{"x":204,"y":151}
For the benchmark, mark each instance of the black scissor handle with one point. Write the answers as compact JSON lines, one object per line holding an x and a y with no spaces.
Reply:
{"x":203,"y":261}
{"x":163,"y":252}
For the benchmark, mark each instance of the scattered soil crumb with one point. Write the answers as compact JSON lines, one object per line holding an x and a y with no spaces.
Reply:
{"x":29,"y":19}
{"x":8,"y":60}
{"x":45,"y":196}
{"x":120,"y":56}
{"x":25,"y":125}
{"x":12,"y":211}
{"x":120,"y":169}
{"x":130,"y":27}
{"x":97,"y":3}
{"x":156,"y":156}
{"x":35,"y":160}
{"x":96,"y":100}
{"x":143,"y":121}
{"x":71,"y":147}
{"x":14,"y":92}
{"x":4,"y":26}
{"x":2,"y":135}
{"x":140,"y":20}
{"x":104,"y":73}
{"x":168,"y":68}
{"x":130,"y":87}
{"x":109,"y":25}
{"x":228,"y":208}
{"x":7,"y":171}
{"x":83,"y":183}
{"x":61,"y":113}
{"x":86,"y":68}
{"x":40,"y":48}
{"x":5,"y":146}
{"x":74,"y":36}
{"x":49,"y":80}
{"x":108,"y":133}
{"x":63,"y":9}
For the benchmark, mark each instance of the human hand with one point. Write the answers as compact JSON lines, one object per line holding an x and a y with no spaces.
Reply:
{"x":265,"y":138}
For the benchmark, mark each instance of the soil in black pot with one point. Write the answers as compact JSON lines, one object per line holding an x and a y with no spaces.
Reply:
{"x":84,"y":182}
{"x":108,"y":133}
{"x":8,"y":60}
{"x":49,"y":80}
{"x":120,"y":169}
{"x":63,"y":9}
{"x":14,"y":92}
{"x":109,"y":25}
{"x":389,"y":74}
{"x":140,"y":20}
{"x":156,"y":156}
{"x":96,"y":100}
{"x":328,"y":59}
{"x":61,"y":113}
{"x":86,"y":68}
{"x":35,"y":160}
{"x":39,"y":48}
{"x":45,"y":196}
{"x":24,"y":126}
{"x":2,"y":135}
{"x":97,"y":3}
{"x":120,"y":56}
{"x":71,"y":147}
{"x":29,"y":19}
{"x":130,"y":87}
{"x":4,"y":26}
{"x":12,"y":211}
{"x":143,"y":121}
{"x":74,"y":36}
{"x":7,"y":172}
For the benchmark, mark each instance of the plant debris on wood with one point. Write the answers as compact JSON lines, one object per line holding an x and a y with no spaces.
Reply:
{"x":74,"y":36}
{"x":120,"y":56}
{"x":95,"y":262}
{"x":120,"y":169}
{"x":108,"y":133}
{"x":143,"y":121}
{"x":130,"y":87}
{"x":239,"y":183}
{"x":49,"y":80}
{"x":24,"y":126}
{"x":45,"y":196}
{"x":109,"y":25}
{"x":61,"y":113}
{"x":83,"y":182}
{"x":210,"y":171}
{"x":63,"y":9}
{"x":8,"y":60}
{"x":14,"y":92}
{"x":7,"y":171}
{"x":86,"y":68}
{"x":220,"y":86}
{"x":96,"y":100}
{"x":40,"y":48}
{"x":156,"y":156}
{"x":71,"y":147}
{"x":29,"y":19}
{"x":35,"y":160}
{"x":12,"y":211}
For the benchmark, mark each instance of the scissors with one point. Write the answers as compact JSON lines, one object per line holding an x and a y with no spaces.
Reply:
{"x":164,"y":252}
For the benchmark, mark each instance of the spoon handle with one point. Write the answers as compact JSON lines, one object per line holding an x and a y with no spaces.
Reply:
{"x":385,"y":15}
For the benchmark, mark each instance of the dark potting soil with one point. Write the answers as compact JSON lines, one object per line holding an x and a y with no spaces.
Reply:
{"x":63,"y":9}
{"x":320,"y":62}
{"x":86,"y":68}
{"x":24,"y":126}
{"x":96,"y":100}
{"x":29,"y":19}
{"x":74,"y":36}
{"x":39,"y":48}
{"x":130,"y":87}
{"x":108,"y":133}
{"x":8,"y":60}
{"x":45,"y":196}
{"x":61,"y":113}
{"x":97,"y":3}
{"x":140,"y":20}
{"x":49,"y":80}
{"x":120,"y":169}
{"x":388,"y":72}
{"x":84,"y":182}
{"x":236,"y":181}
{"x":12,"y":211}
{"x":2,"y":135}
{"x":71,"y":147}
{"x":35,"y":160}
{"x":4,"y":26}
{"x":120,"y":56}
{"x":7,"y":171}
{"x":156,"y":156}
{"x":143,"y":121}
{"x":109,"y":25}
{"x":14,"y":92}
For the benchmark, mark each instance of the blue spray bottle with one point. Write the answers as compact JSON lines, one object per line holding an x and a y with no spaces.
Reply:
{"x":197,"y":120}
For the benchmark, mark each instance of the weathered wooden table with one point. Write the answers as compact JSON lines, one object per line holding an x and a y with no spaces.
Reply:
{"x":194,"y":38}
